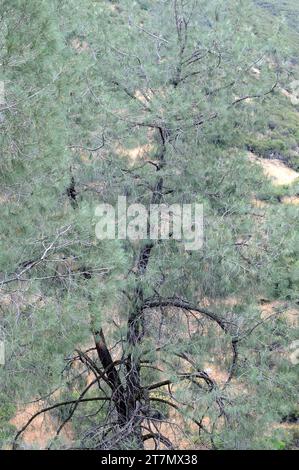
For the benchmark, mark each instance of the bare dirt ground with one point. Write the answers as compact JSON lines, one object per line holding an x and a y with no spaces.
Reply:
{"x":42,"y":429}
{"x":277,"y":171}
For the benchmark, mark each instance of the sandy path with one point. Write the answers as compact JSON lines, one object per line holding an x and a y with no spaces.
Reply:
{"x":276,"y":170}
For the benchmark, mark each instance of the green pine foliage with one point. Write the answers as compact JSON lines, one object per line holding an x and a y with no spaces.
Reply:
{"x":115,"y":335}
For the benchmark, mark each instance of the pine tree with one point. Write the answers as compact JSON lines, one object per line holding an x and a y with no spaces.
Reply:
{"x":171,"y":82}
